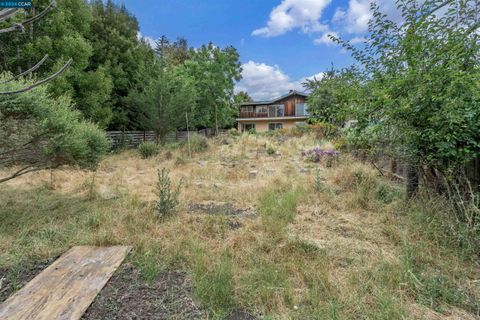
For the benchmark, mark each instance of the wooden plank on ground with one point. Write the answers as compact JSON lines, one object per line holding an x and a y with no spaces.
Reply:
{"x":67,"y":287}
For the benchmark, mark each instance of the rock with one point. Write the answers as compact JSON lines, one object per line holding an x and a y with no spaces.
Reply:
{"x":106,"y":193}
{"x":304,"y":170}
{"x":202,"y":163}
{"x":227,"y":141}
{"x":253,"y":174}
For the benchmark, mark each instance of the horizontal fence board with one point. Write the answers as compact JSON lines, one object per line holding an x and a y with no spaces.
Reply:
{"x":134,"y":138}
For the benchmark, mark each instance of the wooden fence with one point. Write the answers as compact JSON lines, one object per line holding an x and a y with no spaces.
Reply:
{"x":124,"y":139}
{"x":397,"y":170}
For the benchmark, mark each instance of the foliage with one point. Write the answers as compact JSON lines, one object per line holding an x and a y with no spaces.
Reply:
{"x":198,"y":143}
{"x":168,"y":196}
{"x":102,"y":39}
{"x":319,"y":183}
{"x":165,"y":101}
{"x":214,"y":71}
{"x":38,"y":131}
{"x":334,"y":95}
{"x":323,"y":130}
{"x":234,"y":132}
{"x":148,"y":149}
{"x":270,"y":151}
{"x":173,"y":53}
{"x":424,"y":83}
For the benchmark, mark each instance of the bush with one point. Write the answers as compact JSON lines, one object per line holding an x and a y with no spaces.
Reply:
{"x":167,"y":195}
{"x":324,"y":130}
{"x":48,"y":132}
{"x":198,"y":143}
{"x":299,"y":130}
{"x":233,"y":132}
{"x":270,"y":151}
{"x":148,"y":149}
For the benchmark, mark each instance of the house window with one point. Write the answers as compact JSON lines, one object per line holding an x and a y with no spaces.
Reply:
{"x":246,"y":109}
{"x":262,"y":109}
{"x":301,"y":110}
{"x":276,"y":110}
{"x":248,"y":127}
{"x":275,"y":126}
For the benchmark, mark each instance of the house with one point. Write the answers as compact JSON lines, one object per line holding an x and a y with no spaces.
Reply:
{"x":284,"y":112}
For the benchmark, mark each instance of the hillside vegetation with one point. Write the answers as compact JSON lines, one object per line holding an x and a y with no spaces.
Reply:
{"x":259,"y":228}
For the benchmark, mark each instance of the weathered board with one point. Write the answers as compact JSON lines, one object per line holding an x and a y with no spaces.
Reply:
{"x":67,"y":287}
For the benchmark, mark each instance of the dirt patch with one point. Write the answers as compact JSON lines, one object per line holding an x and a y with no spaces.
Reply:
{"x":128,"y":296}
{"x":13,"y":279}
{"x":240,"y":315}
{"x":221,"y":208}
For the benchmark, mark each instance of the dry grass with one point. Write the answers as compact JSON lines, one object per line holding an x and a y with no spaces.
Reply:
{"x":348,"y":251}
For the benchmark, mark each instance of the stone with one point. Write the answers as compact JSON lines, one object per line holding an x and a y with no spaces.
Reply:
{"x":253,"y":174}
{"x":202,"y":163}
{"x":106,"y":193}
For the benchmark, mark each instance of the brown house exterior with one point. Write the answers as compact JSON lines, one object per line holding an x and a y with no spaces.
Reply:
{"x":284,"y":112}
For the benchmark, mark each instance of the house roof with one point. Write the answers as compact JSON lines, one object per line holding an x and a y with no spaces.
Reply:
{"x":291,"y":93}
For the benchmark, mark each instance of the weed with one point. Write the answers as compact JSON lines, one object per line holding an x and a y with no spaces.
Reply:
{"x":198,"y":143}
{"x":214,"y":286}
{"x":319,"y":183}
{"x":278,"y":208}
{"x":148,"y":149}
{"x":167,"y":195}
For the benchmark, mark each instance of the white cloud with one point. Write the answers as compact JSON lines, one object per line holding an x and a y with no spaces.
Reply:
{"x":264,"y":82}
{"x":325,"y":39}
{"x":291,"y":14}
{"x":355,"y":18}
{"x":149,"y":40}
{"x":357,"y":40}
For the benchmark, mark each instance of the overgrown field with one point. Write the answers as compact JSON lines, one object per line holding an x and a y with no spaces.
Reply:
{"x":259,"y":230}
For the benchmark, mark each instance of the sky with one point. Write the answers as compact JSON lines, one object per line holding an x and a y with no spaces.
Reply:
{"x":281,"y":42}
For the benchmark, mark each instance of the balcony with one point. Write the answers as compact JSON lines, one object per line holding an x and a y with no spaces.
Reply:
{"x":252,"y":115}
{"x":275,"y":111}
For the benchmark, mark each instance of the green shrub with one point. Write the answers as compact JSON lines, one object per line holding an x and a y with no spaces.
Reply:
{"x":52,"y":132}
{"x":167,"y":195}
{"x":148,"y":149}
{"x":198,"y":143}
{"x":270,"y":151}
{"x":324,"y":130}
{"x":299,"y":130}
{"x":234,"y":132}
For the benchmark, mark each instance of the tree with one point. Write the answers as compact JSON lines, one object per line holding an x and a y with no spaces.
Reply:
{"x":242,"y":97}
{"x":173,"y":53}
{"x":424,"y":77}
{"x":165,"y":101}
{"x":334,"y":95}
{"x":19,"y":21}
{"x":113,"y":35}
{"x":39,"y":132}
{"x":214,"y":71}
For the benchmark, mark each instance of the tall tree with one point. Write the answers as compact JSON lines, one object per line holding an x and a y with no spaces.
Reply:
{"x":165,"y":101}
{"x":116,"y":48}
{"x":214,"y":71}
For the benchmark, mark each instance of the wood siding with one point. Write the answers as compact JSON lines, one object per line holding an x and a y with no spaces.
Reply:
{"x":288,"y":102}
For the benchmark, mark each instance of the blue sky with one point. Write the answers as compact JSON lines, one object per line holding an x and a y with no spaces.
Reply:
{"x":281,"y":42}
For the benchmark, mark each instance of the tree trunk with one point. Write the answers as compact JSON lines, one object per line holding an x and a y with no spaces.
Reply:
{"x":412,"y":181}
